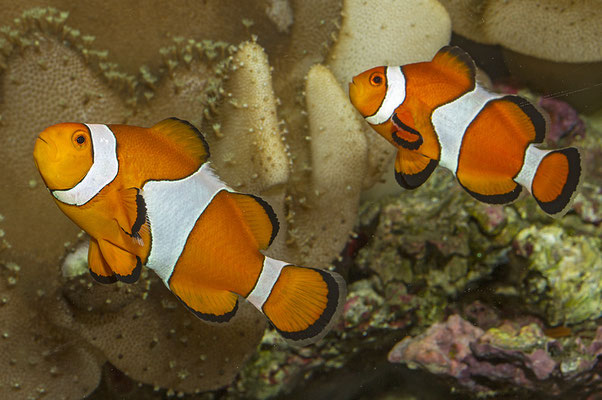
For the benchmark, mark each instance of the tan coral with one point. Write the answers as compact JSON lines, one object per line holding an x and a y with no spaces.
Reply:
{"x":467,"y":18}
{"x":35,"y":96}
{"x":38,"y":359}
{"x":557,"y":30}
{"x":146,"y":332}
{"x":419,"y":29}
{"x":564,"y":32}
{"x":545,"y":42}
{"x":137,"y":33}
{"x":46,"y":82}
{"x":386,"y":33}
{"x":245,"y":140}
{"x":321,"y":226}
{"x":323,"y":143}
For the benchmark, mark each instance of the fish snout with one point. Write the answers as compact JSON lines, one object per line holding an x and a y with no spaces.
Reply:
{"x":44,"y":151}
{"x":353,"y":92}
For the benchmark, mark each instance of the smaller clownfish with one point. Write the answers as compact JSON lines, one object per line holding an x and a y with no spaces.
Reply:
{"x":436,"y":113}
{"x":148,"y":196}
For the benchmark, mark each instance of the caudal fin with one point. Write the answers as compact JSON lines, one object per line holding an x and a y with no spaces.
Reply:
{"x":556,"y":180}
{"x":301,"y":303}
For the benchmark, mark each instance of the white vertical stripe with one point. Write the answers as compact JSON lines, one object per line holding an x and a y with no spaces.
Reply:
{"x":173,"y":208}
{"x":452,"y":119}
{"x":396,"y":94}
{"x":102,"y":172}
{"x":533,"y":157}
{"x":266,"y":281}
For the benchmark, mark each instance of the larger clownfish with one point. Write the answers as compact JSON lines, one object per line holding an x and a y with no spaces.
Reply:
{"x":436,"y":113}
{"x":150,"y":197}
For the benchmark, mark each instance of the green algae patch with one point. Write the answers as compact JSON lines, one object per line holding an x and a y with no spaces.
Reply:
{"x":565,"y":274}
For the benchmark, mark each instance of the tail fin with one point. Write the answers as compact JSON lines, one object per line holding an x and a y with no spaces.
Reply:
{"x":301,"y":303}
{"x":556,"y":180}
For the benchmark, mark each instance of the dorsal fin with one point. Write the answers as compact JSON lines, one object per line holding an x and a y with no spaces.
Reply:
{"x":457,"y":63}
{"x":185,"y":135}
{"x":260,"y":218}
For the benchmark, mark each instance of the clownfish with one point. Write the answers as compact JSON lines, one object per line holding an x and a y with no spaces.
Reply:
{"x":148,"y":196}
{"x":436,"y":113}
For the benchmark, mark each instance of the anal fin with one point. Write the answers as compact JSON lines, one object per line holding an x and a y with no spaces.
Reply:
{"x":209,"y":304}
{"x":125,"y":265}
{"x":259,"y":216}
{"x":412,"y":169}
{"x":99,"y":269}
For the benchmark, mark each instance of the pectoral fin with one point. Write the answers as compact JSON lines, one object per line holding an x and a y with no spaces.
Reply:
{"x":131,"y":216}
{"x":125,"y":265}
{"x":406,"y":136}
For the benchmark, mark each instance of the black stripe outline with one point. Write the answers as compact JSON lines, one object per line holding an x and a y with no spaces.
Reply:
{"x":466,"y":59}
{"x":208,"y":317}
{"x":103,"y":278}
{"x":133,"y":276}
{"x":271,"y":215}
{"x":503,"y":198}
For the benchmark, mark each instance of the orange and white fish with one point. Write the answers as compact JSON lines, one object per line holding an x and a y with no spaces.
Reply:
{"x":436,"y":113}
{"x":150,"y":197}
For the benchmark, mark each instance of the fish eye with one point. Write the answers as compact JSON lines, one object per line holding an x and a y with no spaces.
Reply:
{"x":79,"y":139}
{"x":376,"y":79}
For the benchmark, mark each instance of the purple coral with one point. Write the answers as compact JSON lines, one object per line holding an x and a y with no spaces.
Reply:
{"x":505,"y":359}
{"x":564,"y":120}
